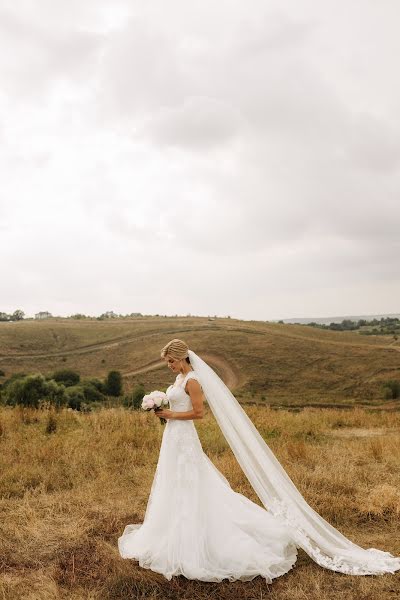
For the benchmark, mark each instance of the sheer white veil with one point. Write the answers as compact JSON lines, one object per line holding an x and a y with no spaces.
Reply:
{"x":325,"y":544}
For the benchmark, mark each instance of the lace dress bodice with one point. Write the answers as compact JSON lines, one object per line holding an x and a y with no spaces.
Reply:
{"x":179,"y":399}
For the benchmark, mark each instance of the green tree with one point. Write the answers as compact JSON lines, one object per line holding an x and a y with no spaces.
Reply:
{"x":114,"y":383}
{"x":29,"y":390}
{"x":17,"y":315}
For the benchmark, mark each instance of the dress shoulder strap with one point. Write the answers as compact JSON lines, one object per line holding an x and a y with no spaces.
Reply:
{"x":190,"y":375}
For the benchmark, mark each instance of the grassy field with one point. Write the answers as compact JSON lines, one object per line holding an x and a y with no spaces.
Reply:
{"x":261,"y":362}
{"x":71,"y":481}
{"x":66,"y":496}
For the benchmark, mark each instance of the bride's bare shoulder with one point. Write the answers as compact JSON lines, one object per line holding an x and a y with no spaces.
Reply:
{"x":193,"y":381}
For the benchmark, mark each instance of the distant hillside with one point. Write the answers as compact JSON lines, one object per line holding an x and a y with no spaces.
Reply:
{"x":267,"y":362}
{"x":327,"y":320}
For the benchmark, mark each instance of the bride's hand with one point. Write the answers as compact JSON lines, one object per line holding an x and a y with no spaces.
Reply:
{"x":165,"y":413}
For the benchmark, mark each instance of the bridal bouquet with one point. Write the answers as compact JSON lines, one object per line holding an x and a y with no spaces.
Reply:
{"x":154,"y":401}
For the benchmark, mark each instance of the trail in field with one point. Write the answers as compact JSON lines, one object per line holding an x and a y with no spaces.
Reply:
{"x":120,"y":341}
{"x":388,"y":346}
{"x":229,"y":374}
{"x":111,"y":343}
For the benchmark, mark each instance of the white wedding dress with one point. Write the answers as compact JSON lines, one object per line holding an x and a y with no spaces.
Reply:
{"x":195,"y":524}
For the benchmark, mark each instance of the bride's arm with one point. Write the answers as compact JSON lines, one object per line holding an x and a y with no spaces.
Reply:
{"x":196,"y":396}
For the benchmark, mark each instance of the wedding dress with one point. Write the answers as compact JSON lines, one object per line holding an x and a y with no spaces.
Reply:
{"x":197,"y":526}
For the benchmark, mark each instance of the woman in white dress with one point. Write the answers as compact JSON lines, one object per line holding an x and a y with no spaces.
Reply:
{"x":196,"y":525}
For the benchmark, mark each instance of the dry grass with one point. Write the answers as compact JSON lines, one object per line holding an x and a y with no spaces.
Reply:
{"x":66,"y":496}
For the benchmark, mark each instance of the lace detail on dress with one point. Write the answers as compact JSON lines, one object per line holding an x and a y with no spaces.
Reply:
{"x":373,"y":562}
{"x":179,"y":399}
{"x":177,"y":395}
{"x":183,"y":436}
{"x":190,"y":375}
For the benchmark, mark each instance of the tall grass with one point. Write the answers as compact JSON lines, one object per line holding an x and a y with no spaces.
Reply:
{"x":70,"y":482}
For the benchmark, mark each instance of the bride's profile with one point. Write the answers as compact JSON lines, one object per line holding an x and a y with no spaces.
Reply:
{"x":211,"y":532}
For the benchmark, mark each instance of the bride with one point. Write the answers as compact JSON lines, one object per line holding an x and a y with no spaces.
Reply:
{"x":196,"y":525}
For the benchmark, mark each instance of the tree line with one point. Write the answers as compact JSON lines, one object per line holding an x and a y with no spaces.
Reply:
{"x":66,"y":388}
{"x":383,"y":326}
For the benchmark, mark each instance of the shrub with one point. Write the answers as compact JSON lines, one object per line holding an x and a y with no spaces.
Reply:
{"x":91,"y":393}
{"x":98,"y":384}
{"x":30,"y":389}
{"x":93,"y":406}
{"x":134,"y":399}
{"x":55,"y":393}
{"x":66,"y":376}
{"x":392,"y":389}
{"x":114,"y":383}
{"x":27,"y":391}
{"x":75,"y":397}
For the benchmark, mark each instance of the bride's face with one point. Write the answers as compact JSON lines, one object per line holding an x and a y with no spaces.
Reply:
{"x":173,"y":364}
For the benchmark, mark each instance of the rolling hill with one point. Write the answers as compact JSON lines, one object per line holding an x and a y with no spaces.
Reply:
{"x":259,"y":361}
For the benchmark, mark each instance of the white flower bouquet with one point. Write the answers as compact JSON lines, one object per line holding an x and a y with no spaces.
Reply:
{"x":154,"y":401}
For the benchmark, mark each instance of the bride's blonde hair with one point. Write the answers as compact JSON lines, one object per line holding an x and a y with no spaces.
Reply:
{"x":176,"y":349}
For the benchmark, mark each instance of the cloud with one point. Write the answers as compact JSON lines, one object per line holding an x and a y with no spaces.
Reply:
{"x":373,"y":144}
{"x":140,"y":70}
{"x":242,"y":161}
{"x":35,"y":57}
{"x":199,"y":123}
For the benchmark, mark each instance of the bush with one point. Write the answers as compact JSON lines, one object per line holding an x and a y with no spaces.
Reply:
{"x":98,"y":384}
{"x":91,"y":393}
{"x":30,"y":389}
{"x":93,"y":406}
{"x":66,"y":376}
{"x":134,"y":400}
{"x":75,"y":397}
{"x":55,"y":393}
{"x":392,"y":389}
{"x":114,"y":383}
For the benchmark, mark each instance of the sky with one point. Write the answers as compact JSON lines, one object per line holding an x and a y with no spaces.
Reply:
{"x":205,"y":158}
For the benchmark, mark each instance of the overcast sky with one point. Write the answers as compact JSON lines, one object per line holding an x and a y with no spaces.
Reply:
{"x":229,"y":158}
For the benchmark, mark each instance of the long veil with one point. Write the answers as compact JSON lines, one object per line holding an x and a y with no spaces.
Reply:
{"x":325,"y":544}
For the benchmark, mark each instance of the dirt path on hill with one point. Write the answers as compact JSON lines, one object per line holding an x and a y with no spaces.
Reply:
{"x":120,"y":341}
{"x":111,"y":343}
{"x":229,"y":374}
